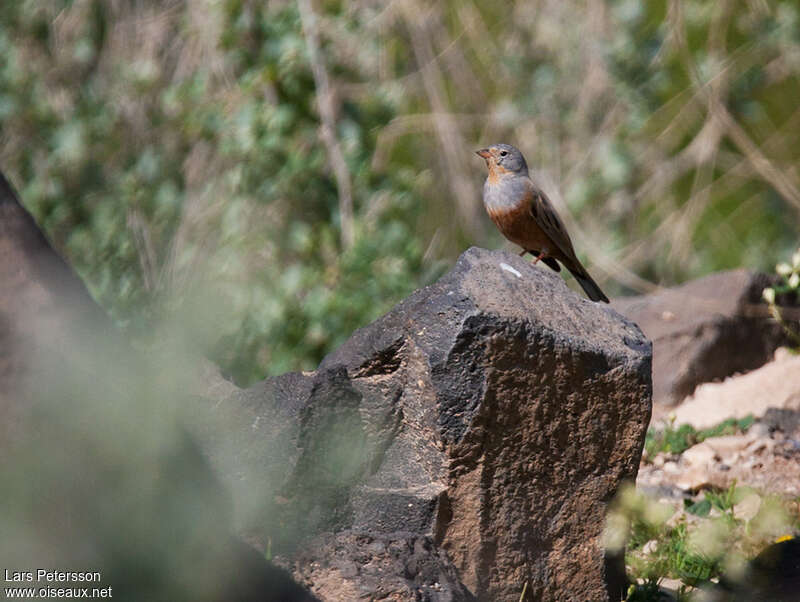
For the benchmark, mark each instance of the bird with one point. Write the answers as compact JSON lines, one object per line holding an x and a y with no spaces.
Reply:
{"x":525,"y":216}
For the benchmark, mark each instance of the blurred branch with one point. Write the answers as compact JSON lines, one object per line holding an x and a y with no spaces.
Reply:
{"x":415,"y":123}
{"x":451,"y":143}
{"x":704,"y":148}
{"x":483,"y":43}
{"x":738,"y":169}
{"x":328,"y":118}
{"x":761,"y":164}
{"x":595,"y":80}
{"x":144,"y":248}
{"x":717,"y":109}
{"x":200,"y":208}
{"x":604,"y":261}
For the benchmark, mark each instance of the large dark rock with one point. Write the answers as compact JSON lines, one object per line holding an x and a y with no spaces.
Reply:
{"x":461,"y":447}
{"x":479,"y":430}
{"x":374,"y":566}
{"x":705,"y":330}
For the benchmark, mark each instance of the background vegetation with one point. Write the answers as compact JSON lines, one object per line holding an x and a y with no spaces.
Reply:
{"x":279,"y":173}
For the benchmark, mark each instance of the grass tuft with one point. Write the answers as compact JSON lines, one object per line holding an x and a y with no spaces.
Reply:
{"x":672,"y":440}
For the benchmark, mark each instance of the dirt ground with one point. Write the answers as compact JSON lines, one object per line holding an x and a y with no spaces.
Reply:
{"x":766,"y":457}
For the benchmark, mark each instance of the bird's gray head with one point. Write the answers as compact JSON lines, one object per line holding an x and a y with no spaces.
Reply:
{"x":502,"y":159}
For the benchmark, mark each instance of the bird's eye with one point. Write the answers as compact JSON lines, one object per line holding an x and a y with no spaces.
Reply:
{"x":503,"y":153}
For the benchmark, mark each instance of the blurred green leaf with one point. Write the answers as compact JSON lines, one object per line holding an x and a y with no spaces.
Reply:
{"x":180,"y":160}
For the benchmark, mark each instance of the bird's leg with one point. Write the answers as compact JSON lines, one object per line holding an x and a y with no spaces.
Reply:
{"x":522,"y":253}
{"x":541,"y":255}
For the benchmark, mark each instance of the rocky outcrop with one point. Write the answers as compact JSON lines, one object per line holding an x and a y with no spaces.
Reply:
{"x":352,"y":565}
{"x":774,"y":385}
{"x":462,"y":447}
{"x":705,"y":330}
{"x":764,"y":457}
{"x":465,"y":444}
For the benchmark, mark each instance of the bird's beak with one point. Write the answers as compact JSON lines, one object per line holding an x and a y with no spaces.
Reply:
{"x":484,"y":152}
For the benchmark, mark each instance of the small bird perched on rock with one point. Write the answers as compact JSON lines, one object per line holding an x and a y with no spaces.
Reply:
{"x":524,"y":215}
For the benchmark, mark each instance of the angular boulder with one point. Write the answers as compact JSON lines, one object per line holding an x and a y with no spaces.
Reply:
{"x":472,"y":439}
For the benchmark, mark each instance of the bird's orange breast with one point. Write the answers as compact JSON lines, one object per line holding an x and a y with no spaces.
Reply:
{"x":518,"y":226}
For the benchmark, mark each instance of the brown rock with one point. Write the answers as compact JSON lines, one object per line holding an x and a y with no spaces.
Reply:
{"x":352,"y":566}
{"x":705,"y":330}
{"x":462,"y":446}
{"x":753,"y":459}
{"x":774,"y":385}
{"x":491,"y":416}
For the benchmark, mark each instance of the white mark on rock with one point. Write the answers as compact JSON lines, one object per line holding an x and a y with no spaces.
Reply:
{"x":508,"y":268}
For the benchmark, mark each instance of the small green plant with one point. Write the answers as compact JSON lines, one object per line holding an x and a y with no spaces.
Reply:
{"x":644,"y":592}
{"x":731,"y":426}
{"x":672,"y":440}
{"x":699,"y":508}
{"x":724,"y":500}
{"x":790,"y":286}
{"x":710,"y":536}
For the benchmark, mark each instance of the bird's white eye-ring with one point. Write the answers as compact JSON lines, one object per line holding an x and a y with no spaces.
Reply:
{"x":503,"y":153}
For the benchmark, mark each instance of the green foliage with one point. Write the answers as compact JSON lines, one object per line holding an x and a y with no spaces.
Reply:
{"x":173,"y":153}
{"x":700,"y":508}
{"x":725,"y":499}
{"x":713,"y":534}
{"x":646,"y":592}
{"x":200,"y":191}
{"x":786,"y":291}
{"x":673,"y":440}
{"x":730,"y":426}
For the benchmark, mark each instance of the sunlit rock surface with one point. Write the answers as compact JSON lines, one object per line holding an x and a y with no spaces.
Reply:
{"x":463,"y":445}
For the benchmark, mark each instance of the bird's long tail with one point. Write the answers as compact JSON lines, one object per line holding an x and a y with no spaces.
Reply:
{"x":587,"y":284}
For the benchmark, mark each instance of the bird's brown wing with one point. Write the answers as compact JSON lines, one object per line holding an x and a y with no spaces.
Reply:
{"x":548,"y":220}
